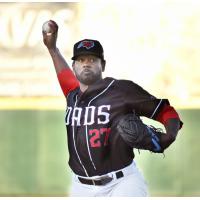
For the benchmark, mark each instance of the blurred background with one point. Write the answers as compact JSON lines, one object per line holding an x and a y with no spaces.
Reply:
{"x":153,"y":43}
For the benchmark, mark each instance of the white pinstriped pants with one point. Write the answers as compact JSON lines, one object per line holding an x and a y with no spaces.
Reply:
{"x":131,"y":185}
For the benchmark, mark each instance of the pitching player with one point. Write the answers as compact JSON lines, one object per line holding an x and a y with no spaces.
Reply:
{"x":103,"y":124}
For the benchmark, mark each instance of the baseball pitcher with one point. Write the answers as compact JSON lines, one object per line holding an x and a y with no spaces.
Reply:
{"x":103,"y":122}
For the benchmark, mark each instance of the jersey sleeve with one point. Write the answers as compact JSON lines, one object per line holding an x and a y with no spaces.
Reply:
{"x":166,"y":113}
{"x":67,"y":80}
{"x":141,"y":101}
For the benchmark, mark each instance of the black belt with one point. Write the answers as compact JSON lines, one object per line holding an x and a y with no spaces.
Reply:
{"x":101,"y":181}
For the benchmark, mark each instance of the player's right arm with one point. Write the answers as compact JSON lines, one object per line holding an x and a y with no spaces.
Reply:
{"x":66,"y":78}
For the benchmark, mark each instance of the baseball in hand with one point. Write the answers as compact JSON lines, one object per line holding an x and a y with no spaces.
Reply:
{"x":48,"y":27}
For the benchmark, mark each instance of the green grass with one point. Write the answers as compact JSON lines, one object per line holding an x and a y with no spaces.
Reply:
{"x":33,"y":153}
{"x":176,"y":174}
{"x":34,"y":156}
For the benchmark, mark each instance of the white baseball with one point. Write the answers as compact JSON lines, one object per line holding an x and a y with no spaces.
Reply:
{"x":47,"y":28}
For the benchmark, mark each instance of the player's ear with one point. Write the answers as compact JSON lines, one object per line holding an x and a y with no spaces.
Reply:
{"x":103,"y":64}
{"x":73,"y":63}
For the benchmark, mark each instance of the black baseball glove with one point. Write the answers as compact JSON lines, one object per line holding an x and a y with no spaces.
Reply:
{"x":138,"y":135}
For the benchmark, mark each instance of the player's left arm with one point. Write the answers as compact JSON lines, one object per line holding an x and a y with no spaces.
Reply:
{"x":145,"y":104}
{"x":171,"y":120}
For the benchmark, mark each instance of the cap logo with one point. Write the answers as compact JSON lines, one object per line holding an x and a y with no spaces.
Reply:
{"x":86,"y":44}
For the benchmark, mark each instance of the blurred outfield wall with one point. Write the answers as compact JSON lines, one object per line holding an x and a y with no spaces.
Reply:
{"x":158,"y":50}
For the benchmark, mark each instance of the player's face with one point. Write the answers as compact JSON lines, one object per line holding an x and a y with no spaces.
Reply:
{"x":88,"y":69}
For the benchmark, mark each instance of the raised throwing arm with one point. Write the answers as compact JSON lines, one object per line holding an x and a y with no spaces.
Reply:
{"x":65,"y":76}
{"x":50,"y":40}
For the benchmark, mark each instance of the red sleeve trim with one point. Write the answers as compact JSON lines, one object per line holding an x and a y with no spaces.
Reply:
{"x":167,"y":112}
{"x":67,"y":80}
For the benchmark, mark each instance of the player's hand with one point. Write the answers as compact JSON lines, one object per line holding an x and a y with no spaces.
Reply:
{"x":50,"y":38}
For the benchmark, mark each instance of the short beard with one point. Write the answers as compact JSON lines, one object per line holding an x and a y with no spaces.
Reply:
{"x":88,"y":79}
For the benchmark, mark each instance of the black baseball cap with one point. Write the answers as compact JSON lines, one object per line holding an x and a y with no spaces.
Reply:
{"x":88,"y":47}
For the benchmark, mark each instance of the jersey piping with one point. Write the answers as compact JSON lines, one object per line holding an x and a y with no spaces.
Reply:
{"x":156,"y":108}
{"x":76,"y":148}
{"x":86,"y":129}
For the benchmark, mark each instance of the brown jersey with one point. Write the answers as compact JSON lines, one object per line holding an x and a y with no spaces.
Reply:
{"x":95,"y":146}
